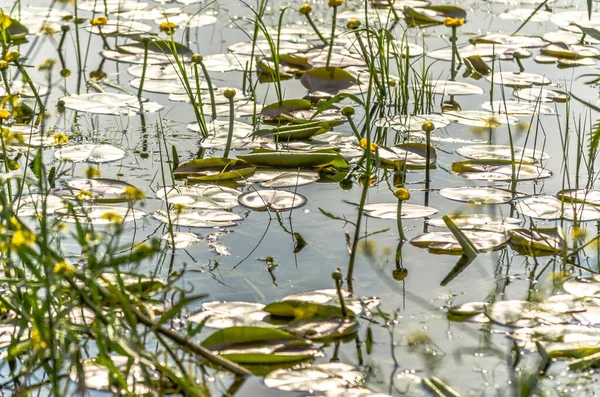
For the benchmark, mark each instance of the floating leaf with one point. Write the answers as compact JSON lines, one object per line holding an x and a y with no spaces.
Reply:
{"x":551,"y":208}
{"x":319,"y":378}
{"x":413,"y":123}
{"x":433,"y":14}
{"x":590,"y":196}
{"x":181,"y":240}
{"x":99,"y":214}
{"x":445,"y":242}
{"x":502,"y":170}
{"x":540,"y":239}
{"x":109,"y":103}
{"x":294,"y":159}
{"x":259,"y":345}
{"x":413,"y":154}
{"x":38,"y":204}
{"x":390,"y":210}
{"x":477,"y":195}
{"x":200,"y":196}
{"x":479,"y":221}
{"x":285,"y":178}
{"x":501,"y":152}
{"x":197,"y":218}
{"x":228,"y":314}
{"x":517,"y":108}
{"x":320,"y":304}
{"x":273,"y":200}
{"x":570,"y":51}
{"x":213,"y":169}
{"x":540,"y":95}
{"x":330,"y":80}
{"x":100,"y":190}
{"x":97,"y":375}
{"x":476,"y":118}
{"x":89,"y":153}
{"x":452,"y":87}
{"x":518,"y":80}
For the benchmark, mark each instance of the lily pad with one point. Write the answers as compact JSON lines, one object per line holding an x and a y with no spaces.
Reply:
{"x":100,"y":190}
{"x":319,"y":378}
{"x":272,"y":200}
{"x":213,"y":169}
{"x":197,"y":218}
{"x":551,"y":208}
{"x":222,"y":315}
{"x":476,"y":118}
{"x":390,"y":210}
{"x":477,"y":195}
{"x":99,"y":214}
{"x":540,"y":95}
{"x":90,"y":153}
{"x":540,"y":239}
{"x":479,"y":221}
{"x":517,"y":108}
{"x":501,"y":152}
{"x":259,"y":345}
{"x":181,"y":240}
{"x":590,"y":196}
{"x":445,"y":242}
{"x":518,"y":80}
{"x":330,"y":80}
{"x":445,"y":87}
{"x":211,"y":197}
{"x":109,"y":103}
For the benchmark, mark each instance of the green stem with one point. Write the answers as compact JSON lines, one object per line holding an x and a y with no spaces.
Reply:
{"x":141,"y":87}
{"x":399,"y":221}
{"x":35,"y":92}
{"x":230,"y":132}
{"x":312,"y":24}
{"x":211,"y":91}
{"x":331,"y":40}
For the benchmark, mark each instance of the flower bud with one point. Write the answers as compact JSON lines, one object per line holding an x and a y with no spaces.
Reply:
{"x":305,"y":9}
{"x":348,"y":111}
{"x":334,"y":3}
{"x":196,"y":58}
{"x":12,"y":56}
{"x":229,"y":93}
{"x":402,"y":194}
{"x":428,"y":126}
{"x":353,"y":24}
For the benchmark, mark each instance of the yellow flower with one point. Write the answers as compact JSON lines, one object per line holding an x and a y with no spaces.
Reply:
{"x":97,"y":75}
{"x":84,"y":195}
{"x":48,"y":29}
{"x":48,"y":64}
{"x":63,"y":268}
{"x":37,"y":341}
{"x":305,"y":9}
{"x":99,"y":21}
{"x":112,"y":217}
{"x":22,"y":238}
{"x":132,"y":193}
{"x":4,"y":114}
{"x":168,"y":27}
{"x":334,"y":3}
{"x":12,"y":56}
{"x":179,"y":207}
{"x":402,"y":194}
{"x":92,"y":172}
{"x":363,"y":145}
{"x":454,"y":22}
{"x":60,"y":138}
{"x":353,"y":23}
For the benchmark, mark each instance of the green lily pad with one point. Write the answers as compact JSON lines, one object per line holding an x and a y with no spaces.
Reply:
{"x":540,"y":239}
{"x":213,"y":169}
{"x":259,"y":345}
{"x":329,"y":80}
{"x":433,"y":14}
{"x":294,"y":159}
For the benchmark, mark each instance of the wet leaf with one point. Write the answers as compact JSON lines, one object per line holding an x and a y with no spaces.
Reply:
{"x":322,"y":377}
{"x":197,"y":218}
{"x":272,"y":200}
{"x":109,"y":103}
{"x":477,"y":195}
{"x":389,"y":211}
{"x":200,"y":196}
{"x":213,"y":169}
{"x":445,"y":242}
{"x":551,"y":208}
{"x":330,"y":80}
{"x":89,"y":153}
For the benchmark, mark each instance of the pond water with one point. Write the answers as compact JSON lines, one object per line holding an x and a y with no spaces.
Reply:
{"x":258,"y":261}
